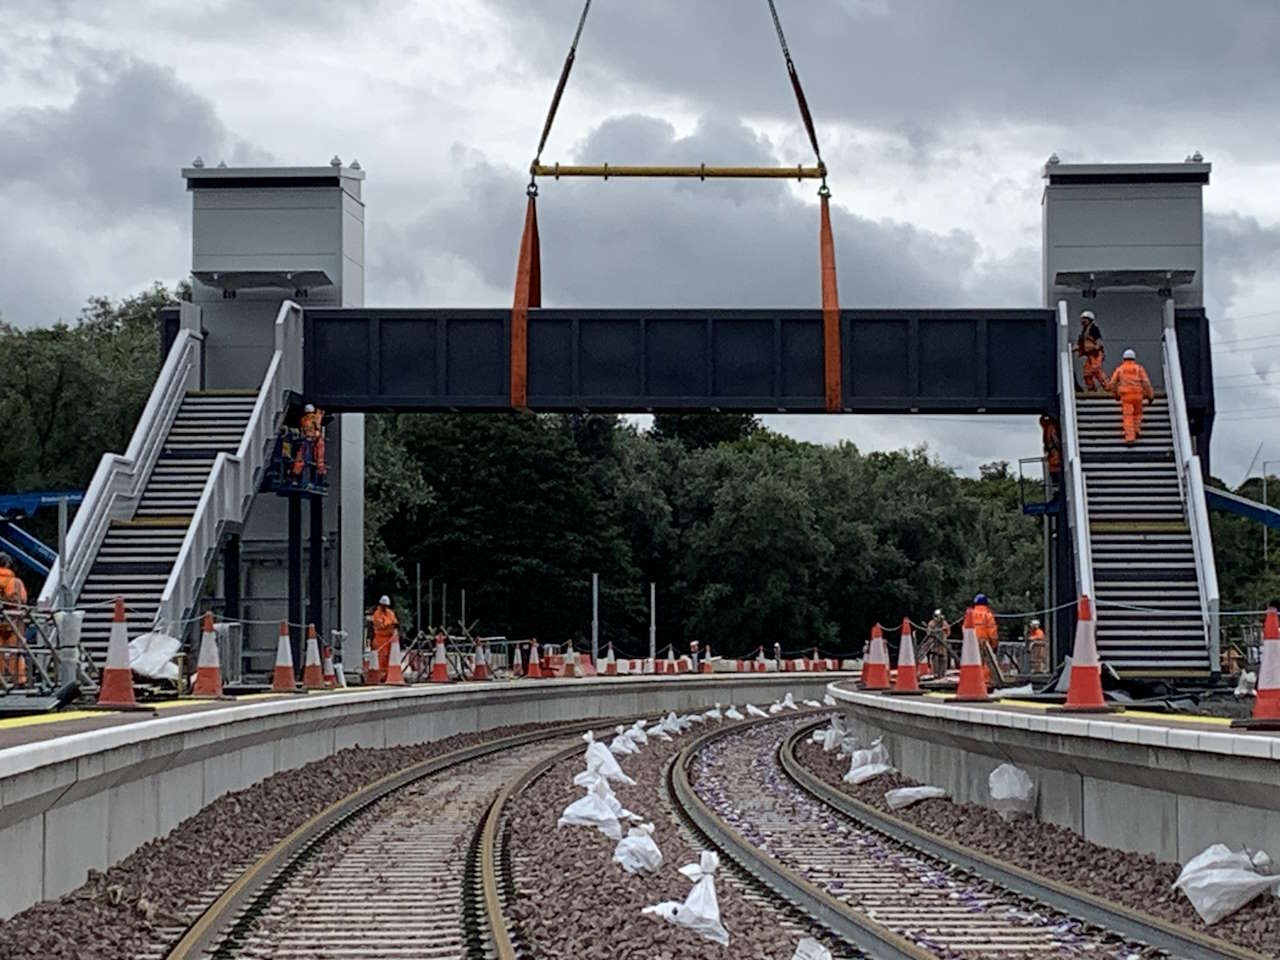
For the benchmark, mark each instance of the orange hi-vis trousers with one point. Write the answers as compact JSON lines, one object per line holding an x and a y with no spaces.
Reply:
{"x":1094,"y":377}
{"x":1131,"y":409}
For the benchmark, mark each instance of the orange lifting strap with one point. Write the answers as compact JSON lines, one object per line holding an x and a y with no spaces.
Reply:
{"x":528,"y":290}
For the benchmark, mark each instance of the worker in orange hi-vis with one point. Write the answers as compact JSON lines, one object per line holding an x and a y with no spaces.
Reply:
{"x":1037,"y":648}
{"x":1132,"y":387}
{"x":988,"y":634}
{"x":384,"y":623}
{"x":13,"y":592}
{"x":1089,"y":346}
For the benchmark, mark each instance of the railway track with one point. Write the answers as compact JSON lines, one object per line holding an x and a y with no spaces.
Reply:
{"x":888,"y":888}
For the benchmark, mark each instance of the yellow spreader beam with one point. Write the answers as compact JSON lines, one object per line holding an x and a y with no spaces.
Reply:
{"x":699,"y":172}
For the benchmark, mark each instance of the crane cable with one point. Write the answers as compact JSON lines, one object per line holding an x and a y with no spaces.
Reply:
{"x":572,"y":55}
{"x":805,"y":116}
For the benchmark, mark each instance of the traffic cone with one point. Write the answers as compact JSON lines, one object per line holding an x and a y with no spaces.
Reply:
{"x":570,"y":669}
{"x":973,"y":681}
{"x":439,"y":662}
{"x":817,"y":663}
{"x":534,"y":668}
{"x":877,"y":671}
{"x":760,"y":665}
{"x":312,"y":669}
{"x":1266,"y":708}
{"x":395,"y":669}
{"x":209,"y":666}
{"x":116,"y":689}
{"x":908,"y":681}
{"x":610,"y":665}
{"x":330,"y":673}
{"x":481,"y":670}
{"x":704,"y":665}
{"x":1084,"y":692}
{"x":282,"y":680}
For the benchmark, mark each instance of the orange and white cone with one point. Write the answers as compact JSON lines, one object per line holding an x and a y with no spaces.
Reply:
{"x":481,"y":670}
{"x":209,"y":666}
{"x":817,"y":663}
{"x":282,"y":680}
{"x":1084,"y":691}
{"x":533,"y":669}
{"x":117,"y":676}
{"x":439,"y":662}
{"x":610,"y":665}
{"x":312,"y":669}
{"x":395,"y":666}
{"x":876,"y":675}
{"x":1266,"y":708}
{"x":704,"y":665}
{"x":973,"y":679}
{"x":907,"y":681}
{"x":330,"y":672}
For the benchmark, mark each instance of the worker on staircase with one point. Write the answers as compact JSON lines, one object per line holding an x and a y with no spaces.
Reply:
{"x":383,"y":621}
{"x":1089,"y":346}
{"x":13,"y":593}
{"x":1037,"y":648}
{"x":311,"y":426}
{"x":1051,"y":436}
{"x":1131,"y":386}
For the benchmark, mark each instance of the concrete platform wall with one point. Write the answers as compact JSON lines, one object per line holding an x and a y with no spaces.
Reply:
{"x":1169,"y":799}
{"x":85,"y":801}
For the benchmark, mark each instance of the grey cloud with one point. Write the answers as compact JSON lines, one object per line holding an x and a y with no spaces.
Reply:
{"x":931,"y":61}
{"x":621,"y":243}
{"x":118,"y":146}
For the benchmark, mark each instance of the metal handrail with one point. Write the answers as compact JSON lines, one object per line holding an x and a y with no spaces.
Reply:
{"x":1077,"y":504}
{"x":235,"y":478}
{"x":118,"y":482}
{"x":1191,"y":485}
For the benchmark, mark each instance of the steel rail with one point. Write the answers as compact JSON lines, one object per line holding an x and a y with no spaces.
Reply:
{"x":1177,"y":939}
{"x":256,"y":880}
{"x":839,"y":918}
{"x":699,"y":171}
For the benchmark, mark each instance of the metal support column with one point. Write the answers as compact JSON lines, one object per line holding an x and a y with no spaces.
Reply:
{"x":231,"y":578}
{"x":295,"y":581}
{"x":315,"y":565}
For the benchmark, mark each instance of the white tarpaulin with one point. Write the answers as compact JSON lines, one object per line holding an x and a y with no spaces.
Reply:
{"x":151,"y":655}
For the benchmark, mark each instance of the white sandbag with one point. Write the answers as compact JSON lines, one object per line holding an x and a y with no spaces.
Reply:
{"x":693,"y":718}
{"x":622,"y":745}
{"x":789,"y":702}
{"x":714,"y":713}
{"x":754,"y":711}
{"x":636,"y":852}
{"x":700,"y":911}
{"x":658,"y":732}
{"x":1005,"y":692}
{"x":733,"y":713}
{"x":1219,"y":881}
{"x":868,"y":772}
{"x":608,"y":764}
{"x":1013,"y":792}
{"x":810,"y":949}
{"x":829,"y":700}
{"x":775,"y":707}
{"x":1247,"y":685}
{"x":831,"y":737}
{"x":814,"y":704}
{"x":637,"y":733}
{"x":593,"y":810}
{"x":818,"y":736}
{"x":151,"y":655}
{"x":849,"y":744}
{"x":906,"y":796}
{"x":876,"y":753}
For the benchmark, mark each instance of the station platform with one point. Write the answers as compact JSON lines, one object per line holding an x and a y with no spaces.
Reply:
{"x":1164,"y":784}
{"x":81,"y":790}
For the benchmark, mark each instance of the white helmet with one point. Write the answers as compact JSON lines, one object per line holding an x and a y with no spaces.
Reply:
{"x":937,"y":613}
{"x":309,"y":408}
{"x":384,"y":601}
{"x":1035,"y":623}
{"x":1130,"y":355}
{"x":1087,"y":315}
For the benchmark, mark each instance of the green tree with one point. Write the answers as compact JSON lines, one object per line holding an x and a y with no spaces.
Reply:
{"x":699,"y":430}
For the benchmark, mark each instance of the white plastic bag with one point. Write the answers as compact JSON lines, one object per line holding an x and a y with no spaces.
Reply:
{"x":754,"y":711}
{"x":636,"y":852}
{"x":593,"y":810}
{"x":867,"y":772}
{"x":151,"y":655}
{"x":700,"y":911}
{"x":815,"y":705}
{"x":658,"y":732}
{"x":608,"y":764}
{"x":622,"y":745}
{"x":714,"y":713}
{"x":906,"y":796}
{"x":775,"y":707}
{"x":637,"y":734}
{"x":733,"y":713}
{"x":1247,"y":685}
{"x":849,"y":745}
{"x":810,"y":949}
{"x":789,"y":703}
{"x":877,"y":753}
{"x":1219,"y":881}
{"x":829,"y":700}
{"x":832,"y":735}
{"x":1013,"y":792}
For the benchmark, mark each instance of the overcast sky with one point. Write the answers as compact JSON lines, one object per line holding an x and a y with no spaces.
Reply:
{"x":935,"y":117}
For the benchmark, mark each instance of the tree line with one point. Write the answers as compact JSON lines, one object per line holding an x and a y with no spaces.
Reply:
{"x":751,"y":537}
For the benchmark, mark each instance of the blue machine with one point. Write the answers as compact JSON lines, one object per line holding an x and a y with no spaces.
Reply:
{"x":25,"y":548}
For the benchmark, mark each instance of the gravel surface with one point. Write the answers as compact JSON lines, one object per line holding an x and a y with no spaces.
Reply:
{"x":118,"y":913}
{"x":1135,"y":880}
{"x":574,"y":902}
